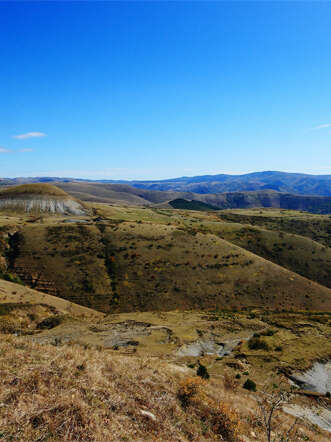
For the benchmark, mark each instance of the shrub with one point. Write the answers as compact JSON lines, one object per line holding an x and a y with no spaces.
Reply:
{"x":230,"y":383}
{"x":189,"y":389}
{"x":49,"y":323}
{"x":279,"y":348}
{"x":257,"y":344}
{"x":268,"y":332}
{"x":7,"y":327}
{"x":238,"y":376}
{"x":224,"y":421}
{"x":250,"y":385}
{"x":11,"y":278}
{"x":202,"y":372}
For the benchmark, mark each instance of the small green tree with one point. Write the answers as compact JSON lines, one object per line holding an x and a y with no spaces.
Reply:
{"x":249,"y":385}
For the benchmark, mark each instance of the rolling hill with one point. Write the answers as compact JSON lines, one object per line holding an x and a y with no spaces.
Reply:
{"x":242,"y":292}
{"x":125,"y":194}
{"x":155,"y":260}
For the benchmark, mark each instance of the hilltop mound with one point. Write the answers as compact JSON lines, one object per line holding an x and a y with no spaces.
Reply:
{"x":39,"y":198}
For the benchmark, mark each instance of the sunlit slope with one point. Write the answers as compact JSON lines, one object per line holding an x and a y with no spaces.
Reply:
{"x":316,"y":227}
{"x":297,"y":253}
{"x":128,"y":266}
{"x":11,"y":293}
{"x":307,"y":255}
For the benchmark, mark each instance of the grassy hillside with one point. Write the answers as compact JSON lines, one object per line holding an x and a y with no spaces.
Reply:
{"x":317,"y":228}
{"x":115,"y":265}
{"x":297,"y":253}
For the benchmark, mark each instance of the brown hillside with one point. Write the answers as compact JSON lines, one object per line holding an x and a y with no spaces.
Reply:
{"x":142,"y":266}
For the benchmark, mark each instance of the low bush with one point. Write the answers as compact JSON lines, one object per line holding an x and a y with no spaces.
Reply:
{"x":257,"y":344}
{"x":202,"y":371}
{"x":223,"y":421}
{"x":189,"y":390}
{"x":230,"y":383}
{"x":50,"y":322}
{"x":11,"y":278}
{"x":269,"y":332}
{"x":250,"y":385}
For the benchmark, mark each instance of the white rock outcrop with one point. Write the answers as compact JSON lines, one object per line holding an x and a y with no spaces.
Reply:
{"x":43,"y":203}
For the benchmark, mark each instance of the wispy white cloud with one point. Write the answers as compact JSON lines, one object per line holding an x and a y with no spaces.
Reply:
{"x":26,"y":150}
{"x":3,"y":150}
{"x":322,"y":126}
{"x":29,"y":135}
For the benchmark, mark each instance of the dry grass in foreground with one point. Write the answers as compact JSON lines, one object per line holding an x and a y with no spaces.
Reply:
{"x":76,"y":394}
{"x":71,"y":393}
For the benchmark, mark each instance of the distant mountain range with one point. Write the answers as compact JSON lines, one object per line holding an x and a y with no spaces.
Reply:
{"x":311,"y":193}
{"x":123,"y":194}
{"x":293,"y":183}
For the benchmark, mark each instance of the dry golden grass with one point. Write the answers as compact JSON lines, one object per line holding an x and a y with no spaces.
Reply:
{"x":72,"y":393}
{"x":75,"y":394}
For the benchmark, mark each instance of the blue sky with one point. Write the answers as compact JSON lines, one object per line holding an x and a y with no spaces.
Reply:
{"x":163,"y":89}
